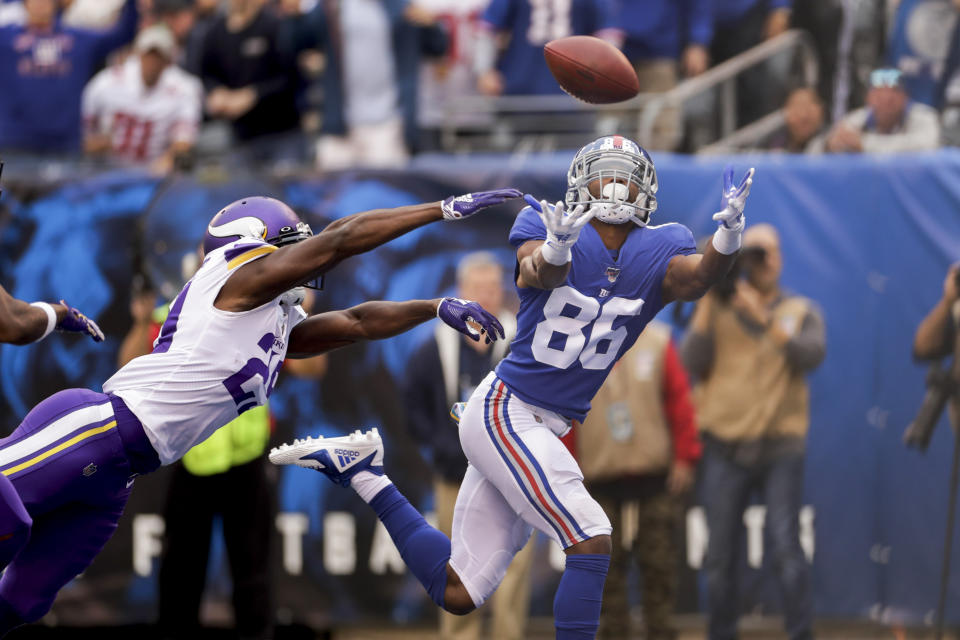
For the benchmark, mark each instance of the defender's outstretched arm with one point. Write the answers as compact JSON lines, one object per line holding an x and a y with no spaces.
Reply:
{"x":291,"y":266}
{"x":23,"y":323}
{"x":378,"y":320}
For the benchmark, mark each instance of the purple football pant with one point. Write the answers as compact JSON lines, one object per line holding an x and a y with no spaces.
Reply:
{"x":72,"y":462}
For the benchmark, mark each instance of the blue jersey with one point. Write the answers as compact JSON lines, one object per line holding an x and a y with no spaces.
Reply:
{"x":569,"y":338}
{"x":534,"y":23}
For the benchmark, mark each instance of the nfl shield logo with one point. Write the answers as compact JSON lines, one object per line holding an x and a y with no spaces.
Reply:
{"x":613,"y":273}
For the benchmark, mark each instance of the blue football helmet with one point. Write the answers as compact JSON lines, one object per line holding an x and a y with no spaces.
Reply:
{"x":614,"y":164}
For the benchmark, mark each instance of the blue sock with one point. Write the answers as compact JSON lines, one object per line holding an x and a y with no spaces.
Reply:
{"x":424,"y":549}
{"x":15,"y":522}
{"x":576,"y":607}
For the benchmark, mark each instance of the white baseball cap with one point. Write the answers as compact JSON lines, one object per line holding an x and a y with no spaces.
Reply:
{"x":156,"y":38}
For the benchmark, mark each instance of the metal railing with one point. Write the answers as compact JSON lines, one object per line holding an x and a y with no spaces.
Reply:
{"x":724,"y":77}
{"x":544,"y":123}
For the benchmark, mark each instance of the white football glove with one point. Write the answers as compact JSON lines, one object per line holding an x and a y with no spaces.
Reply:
{"x":733,"y":199}
{"x":563,"y":228}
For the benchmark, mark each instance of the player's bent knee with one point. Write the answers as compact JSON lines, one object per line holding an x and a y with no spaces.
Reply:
{"x":596,"y":545}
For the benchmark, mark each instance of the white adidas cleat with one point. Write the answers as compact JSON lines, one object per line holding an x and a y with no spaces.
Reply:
{"x":338,"y":458}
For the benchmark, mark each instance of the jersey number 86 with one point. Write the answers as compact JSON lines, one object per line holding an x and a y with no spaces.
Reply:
{"x":568,"y":312}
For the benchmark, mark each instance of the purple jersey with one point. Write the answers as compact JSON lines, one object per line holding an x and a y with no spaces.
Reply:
{"x":534,"y":23}
{"x":569,"y":338}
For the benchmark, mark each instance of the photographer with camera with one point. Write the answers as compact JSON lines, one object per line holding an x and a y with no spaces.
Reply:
{"x":749,"y":347}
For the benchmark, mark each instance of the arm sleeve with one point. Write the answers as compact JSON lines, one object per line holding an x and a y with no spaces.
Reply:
{"x":679,"y":409}
{"x":807,"y":348}
{"x":698,"y":19}
{"x":696,"y":352}
{"x":527,"y":226}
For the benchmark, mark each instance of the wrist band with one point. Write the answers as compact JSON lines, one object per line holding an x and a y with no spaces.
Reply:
{"x":553,"y":255}
{"x":51,"y":318}
{"x":727,"y":241}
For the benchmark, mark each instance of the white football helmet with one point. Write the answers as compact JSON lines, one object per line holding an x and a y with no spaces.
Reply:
{"x":617,"y":163}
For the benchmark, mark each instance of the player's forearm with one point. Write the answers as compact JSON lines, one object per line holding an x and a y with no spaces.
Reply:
{"x":23,"y":323}
{"x":932,"y":337}
{"x":379,"y":320}
{"x":537,"y":272}
{"x":711,"y":269}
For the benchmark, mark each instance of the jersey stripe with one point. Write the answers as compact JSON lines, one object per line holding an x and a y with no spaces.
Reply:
{"x":80,"y":437}
{"x":243,"y":258}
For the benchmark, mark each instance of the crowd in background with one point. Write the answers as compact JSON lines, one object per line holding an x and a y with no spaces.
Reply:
{"x":338,"y":84}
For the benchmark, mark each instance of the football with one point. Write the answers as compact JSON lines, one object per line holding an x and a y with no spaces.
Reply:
{"x":591,"y":69}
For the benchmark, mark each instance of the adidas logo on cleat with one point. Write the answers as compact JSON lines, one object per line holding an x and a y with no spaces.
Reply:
{"x":346,"y":456}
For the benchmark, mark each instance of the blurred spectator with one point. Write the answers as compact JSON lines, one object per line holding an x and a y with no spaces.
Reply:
{"x":44,"y":66}
{"x":824,"y":23}
{"x":205,"y":15}
{"x":250,"y":80}
{"x":180,"y":17}
{"x":454,"y":75}
{"x":444,"y":371}
{"x":520,"y":68}
{"x":921,"y":39}
{"x":750,"y":347}
{"x":658,"y":35}
{"x":638,"y":450}
{"x":890,"y":122}
{"x":145,"y":111}
{"x":804,"y":117}
{"x":738,"y":26}
{"x":373,"y":50}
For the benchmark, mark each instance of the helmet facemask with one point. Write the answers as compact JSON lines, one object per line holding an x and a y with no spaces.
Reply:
{"x":614,"y":173}
{"x":292,"y":235}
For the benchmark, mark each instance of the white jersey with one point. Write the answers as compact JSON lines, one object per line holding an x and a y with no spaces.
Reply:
{"x":142,"y":122}
{"x":207,"y":365}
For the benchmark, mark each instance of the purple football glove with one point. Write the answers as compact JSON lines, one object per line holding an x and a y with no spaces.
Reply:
{"x":76,"y":322}
{"x":458,"y":313}
{"x":457,"y":207}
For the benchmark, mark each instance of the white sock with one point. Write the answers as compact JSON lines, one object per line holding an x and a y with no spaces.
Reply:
{"x":368,"y":485}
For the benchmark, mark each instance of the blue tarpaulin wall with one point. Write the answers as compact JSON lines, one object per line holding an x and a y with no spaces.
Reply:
{"x":868,"y":238}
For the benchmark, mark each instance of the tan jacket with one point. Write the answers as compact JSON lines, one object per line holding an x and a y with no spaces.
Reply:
{"x":751,"y":391}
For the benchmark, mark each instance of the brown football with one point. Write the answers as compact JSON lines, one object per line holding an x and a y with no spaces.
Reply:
{"x":591,"y":69}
